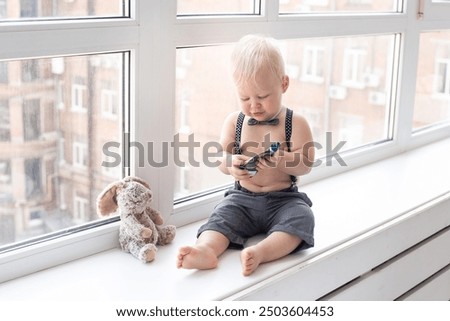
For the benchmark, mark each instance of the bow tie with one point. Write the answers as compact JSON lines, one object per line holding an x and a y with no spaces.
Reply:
{"x":253,"y":121}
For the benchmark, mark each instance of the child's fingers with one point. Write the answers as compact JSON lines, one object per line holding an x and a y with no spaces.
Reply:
{"x":269,"y":162}
{"x":238,"y":160}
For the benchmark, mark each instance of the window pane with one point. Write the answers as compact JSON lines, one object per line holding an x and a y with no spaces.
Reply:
{"x":341,"y":85}
{"x":60,"y":9}
{"x":55,"y":116}
{"x":202,"y":7}
{"x":321,"y":6}
{"x":432,"y":102}
{"x":204,"y":97}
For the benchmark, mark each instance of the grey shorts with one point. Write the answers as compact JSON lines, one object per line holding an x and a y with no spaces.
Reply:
{"x":243,"y":214}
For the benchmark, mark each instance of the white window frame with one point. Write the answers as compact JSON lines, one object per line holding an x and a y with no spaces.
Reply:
{"x":108,"y":98}
{"x":80,"y":155}
{"x":438,"y":79}
{"x":80,"y":205}
{"x":152,"y":35}
{"x":78,"y":97}
{"x":353,"y":67}
{"x":434,"y":10}
{"x":312,"y":56}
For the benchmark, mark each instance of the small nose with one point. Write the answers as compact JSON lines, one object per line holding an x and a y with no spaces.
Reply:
{"x":255,"y":103}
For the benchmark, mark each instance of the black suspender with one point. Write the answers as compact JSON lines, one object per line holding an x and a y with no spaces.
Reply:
{"x":288,"y":128}
{"x":237,"y":136}
{"x":288,"y":134}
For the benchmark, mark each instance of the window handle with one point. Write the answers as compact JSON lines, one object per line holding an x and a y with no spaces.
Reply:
{"x":420,"y":10}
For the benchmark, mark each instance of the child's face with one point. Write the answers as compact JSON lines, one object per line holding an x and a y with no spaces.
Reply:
{"x":261,"y":99}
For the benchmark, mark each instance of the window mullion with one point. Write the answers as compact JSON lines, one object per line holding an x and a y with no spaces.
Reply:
{"x":270,"y":9}
{"x":407,"y":82}
{"x":155,"y":87}
{"x":52,"y":42}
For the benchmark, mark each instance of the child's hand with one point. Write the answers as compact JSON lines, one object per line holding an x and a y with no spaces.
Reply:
{"x":235,"y":171}
{"x":268,"y":162}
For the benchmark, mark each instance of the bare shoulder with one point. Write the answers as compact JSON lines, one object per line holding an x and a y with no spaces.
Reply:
{"x":229,"y":123}
{"x":228,"y":130}
{"x":298,"y":119}
{"x":231,"y":119}
{"x":301,"y":131}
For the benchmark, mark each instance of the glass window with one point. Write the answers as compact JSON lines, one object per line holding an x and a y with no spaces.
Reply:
{"x":3,"y":72}
{"x":203,"y":7}
{"x":341,"y":85}
{"x":11,"y":10}
{"x":31,"y":119}
{"x":52,"y":156}
{"x":432,"y":101}
{"x":204,"y":97}
{"x":79,"y":94}
{"x":348,"y":99}
{"x":330,"y":6}
{"x":3,"y":9}
{"x":5,"y":131}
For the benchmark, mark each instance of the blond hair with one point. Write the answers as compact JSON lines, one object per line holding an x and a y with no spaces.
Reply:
{"x":251,"y":54}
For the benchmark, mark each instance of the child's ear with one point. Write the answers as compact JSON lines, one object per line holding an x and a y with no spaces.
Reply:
{"x":285,"y":83}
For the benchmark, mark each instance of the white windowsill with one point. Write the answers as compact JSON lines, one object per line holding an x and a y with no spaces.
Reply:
{"x":345,"y":206}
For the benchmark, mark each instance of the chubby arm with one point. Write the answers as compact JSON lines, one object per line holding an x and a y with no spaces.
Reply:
{"x":300,"y":159}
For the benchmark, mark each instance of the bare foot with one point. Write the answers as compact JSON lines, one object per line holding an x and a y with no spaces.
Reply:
{"x":250,"y":260}
{"x":196,"y":257}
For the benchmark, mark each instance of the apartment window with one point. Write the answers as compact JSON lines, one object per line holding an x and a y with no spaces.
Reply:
{"x":432,"y":94}
{"x":80,"y":208}
{"x":30,"y":70}
{"x":332,"y":6}
{"x":80,"y":154}
{"x":5,"y":171}
{"x":67,"y":9}
{"x":3,"y":9}
{"x":79,"y":94}
{"x":349,"y":77}
{"x":110,"y":99}
{"x":442,"y":78}
{"x":353,"y":67}
{"x":328,"y":85}
{"x":5,"y":130}
{"x":34,"y":122}
{"x":61,"y":149}
{"x":33,"y":178}
{"x":31,"y":119}
{"x":182,"y":120}
{"x":212,"y":7}
{"x":3,"y":72}
{"x":206,"y":95}
{"x":313,"y":63}
{"x":28,"y":8}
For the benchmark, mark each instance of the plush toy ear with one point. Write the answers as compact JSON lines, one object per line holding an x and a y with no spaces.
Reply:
{"x":106,"y":200}
{"x":136,"y":179}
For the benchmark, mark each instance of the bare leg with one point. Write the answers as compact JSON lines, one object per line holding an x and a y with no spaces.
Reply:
{"x":275,"y":246}
{"x":204,"y":254}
